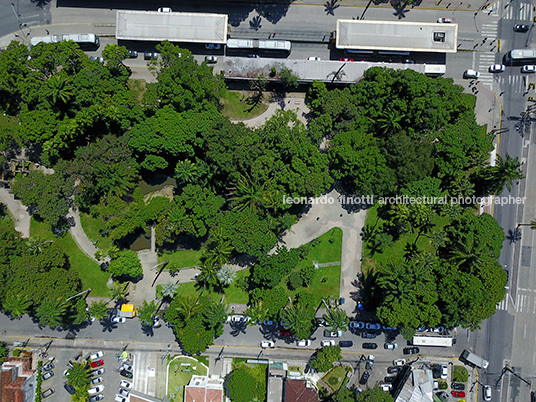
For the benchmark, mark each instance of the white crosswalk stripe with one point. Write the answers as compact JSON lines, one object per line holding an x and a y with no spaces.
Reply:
{"x":490,"y":30}
{"x":503,"y":304}
{"x":519,"y":11}
{"x":517,"y":83}
{"x":494,"y":8}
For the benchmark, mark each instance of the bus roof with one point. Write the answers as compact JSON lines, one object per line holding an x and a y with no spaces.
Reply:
{"x":432,"y":340}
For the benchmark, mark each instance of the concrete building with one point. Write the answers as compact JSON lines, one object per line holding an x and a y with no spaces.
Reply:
{"x":18,"y":382}
{"x":299,"y":391}
{"x":417,"y":385}
{"x":204,"y":389}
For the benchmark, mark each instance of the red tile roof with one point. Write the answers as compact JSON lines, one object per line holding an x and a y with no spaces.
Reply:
{"x":297,"y":391}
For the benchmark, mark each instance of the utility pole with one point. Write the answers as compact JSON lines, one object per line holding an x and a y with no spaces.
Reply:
{"x":79,"y":294}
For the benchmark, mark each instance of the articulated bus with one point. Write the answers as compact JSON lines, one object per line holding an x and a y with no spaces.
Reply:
{"x":268,"y":46}
{"x":433,"y":340}
{"x":520,"y":57}
{"x":87,"y":41}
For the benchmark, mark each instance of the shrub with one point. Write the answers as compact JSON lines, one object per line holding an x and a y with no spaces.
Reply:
{"x":307,"y":274}
{"x":294,"y":281}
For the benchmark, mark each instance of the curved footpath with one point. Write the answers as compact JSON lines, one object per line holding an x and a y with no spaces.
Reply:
{"x":18,"y":211}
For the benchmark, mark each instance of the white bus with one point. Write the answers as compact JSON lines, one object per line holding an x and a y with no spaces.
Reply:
{"x":276,"y":46}
{"x":85,"y":41}
{"x":433,"y":340}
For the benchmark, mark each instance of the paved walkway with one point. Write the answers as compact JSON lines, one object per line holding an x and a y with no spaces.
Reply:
{"x":80,"y":237}
{"x":18,"y":211}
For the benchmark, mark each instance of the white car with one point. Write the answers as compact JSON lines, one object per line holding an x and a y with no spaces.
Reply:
{"x":211,"y":59}
{"x":390,"y":346}
{"x":399,"y":362}
{"x":164,"y":10}
{"x":117,"y":319}
{"x":314,"y":58}
{"x":125,"y":384}
{"x":267,"y":344}
{"x":303,"y":343}
{"x":97,"y":372}
{"x":126,"y":366}
{"x":119,"y":398}
{"x":96,"y":356}
{"x":444,"y":371}
{"x":333,"y":334}
{"x":386,"y":387}
{"x":445,"y":20}
{"x":471,"y":74}
{"x":487,"y":393}
{"x":95,"y":390}
{"x":496,"y":68}
{"x":123,"y":392}
{"x":327,"y":342}
{"x":528,"y":69}
{"x":156,"y":322}
{"x":96,"y":380}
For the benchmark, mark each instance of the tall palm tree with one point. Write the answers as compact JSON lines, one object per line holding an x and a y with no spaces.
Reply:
{"x":186,"y":171}
{"x":226,"y":274}
{"x":218,"y":252}
{"x":336,"y":319}
{"x":208,"y":275}
{"x":504,"y":173}
{"x":98,"y":309}
{"x":246,"y":194}
{"x":215,"y":314}
{"x":299,"y":320}
{"x":533,"y":224}
{"x":389,"y":121}
{"x":50,"y":312}
{"x":188,"y":306}
{"x":395,"y":281}
{"x":17,"y":304}
{"x":35,"y":245}
{"x":117,"y":179}
{"x":58,"y":89}
{"x":79,"y":375}
{"x":146,"y":312}
{"x":258,"y":312}
{"x":169,"y":290}
{"x":118,"y":291}
{"x":466,"y":253}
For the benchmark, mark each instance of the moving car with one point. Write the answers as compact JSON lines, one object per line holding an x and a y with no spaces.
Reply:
{"x":133,"y":54}
{"x":267,"y":344}
{"x":96,"y":356}
{"x":487,"y":393}
{"x":364,"y":378}
{"x":313,"y":58}
{"x":346,"y":344}
{"x":399,"y":362}
{"x":303,"y":343}
{"x":164,"y":10}
{"x":95,"y":390}
{"x":356,"y":324}
{"x":528,"y":69}
{"x":345,"y":59}
{"x":327,"y":342}
{"x":458,"y":394}
{"x":370,"y":362}
{"x":444,"y":371}
{"x":443,"y":20}
{"x":369,"y":345}
{"x":125,"y":384}
{"x":117,"y":319}
{"x":458,"y":386}
{"x":521,"y":28}
{"x":95,"y":398}
{"x":47,"y":393}
{"x":411,"y":350}
{"x":211,"y":59}
{"x":69,"y":388}
{"x":97,"y":363}
{"x":496,"y":68}
{"x":47,"y":375}
{"x":393,"y":370}
{"x":125,"y":373}
{"x":95,"y":380}
{"x":470,"y":74}
{"x":390,"y":346}
{"x":372,"y":325}
{"x":150,"y":55}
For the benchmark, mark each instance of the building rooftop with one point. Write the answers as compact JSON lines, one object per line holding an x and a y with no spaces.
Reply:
{"x":299,"y":391}
{"x":416,"y":386}
{"x":397,"y":36}
{"x":175,"y":27}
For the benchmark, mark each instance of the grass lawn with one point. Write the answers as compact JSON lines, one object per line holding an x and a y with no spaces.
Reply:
{"x":92,"y":226}
{"x":178,"y":376}
{"x":89,"y":271}
{"x":233,"y":294}
{"x":235,"y":105}
{"x":182,"y":258}
{"x":335,"y":377}
{"x":459,"y":374}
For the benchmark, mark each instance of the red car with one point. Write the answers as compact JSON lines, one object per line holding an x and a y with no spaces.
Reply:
{"x":345,"y":59}
{"x":97,"y":363}
{"x":458,"y":394}
{"x":284,"y":333}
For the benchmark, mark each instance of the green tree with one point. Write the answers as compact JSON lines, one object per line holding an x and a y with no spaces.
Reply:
{"x":226,"y":275}
{"x":114,"y":56}
{"x":243,"y":385}
{"x":299,"y":320}
{"x":194,"y":336}
{"x":325,"y":357}
{"x":3,"y":352}
{"x":288,"y":78}
{"x":504,"y":173}
{"x":215,"y":314}
{"x":375,"y":394}
{"x":17,"y":304}
{"x":271,"y":269}
{"x":98,"y":309}
{"x":126,"y":264}
{"x":187,"y":306}
{"x":78,"y":376}
{"x":169,"y":290}
{"x":146,"y":312}
{"x":336,"y":319}
{"x":118,"y":291}
{"x":257,"y":312}
{"x":59,"y":89}
{"x":50,"y":312}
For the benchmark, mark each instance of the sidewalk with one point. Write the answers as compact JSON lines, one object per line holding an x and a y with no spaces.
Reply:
{"x":18,"y":211}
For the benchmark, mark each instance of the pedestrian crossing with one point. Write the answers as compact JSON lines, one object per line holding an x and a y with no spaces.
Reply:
{"x":519,"y":11}
{"x":493,"y":9}
{"x":524,"y":303}
{"x":490,"y":31}
{"x":484,"y":61}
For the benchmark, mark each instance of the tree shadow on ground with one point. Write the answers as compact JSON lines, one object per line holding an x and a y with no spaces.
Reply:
{"x":40,"y":3}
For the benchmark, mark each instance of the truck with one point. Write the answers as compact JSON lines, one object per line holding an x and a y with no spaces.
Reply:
{"x":474,"y":359}
{"x":128,"y":311}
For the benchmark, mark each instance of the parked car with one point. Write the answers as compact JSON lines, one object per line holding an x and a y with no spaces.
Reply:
{"x":268,"y":322}
{"x":346,"y":344}
{"x":48,"y":367}
{"x":126,"y":366}
{"x":386,"y":328}
{"x":487,"y":393}
{"x":345,"y":59}
{"x":372,"y":325}
{"x":97,"y":372}
{"x":472,"y":74}
{"x":254,"y":56}
{"x":364,"y":378}
{"x":95,"y":390}
{"x":438,"y":329}
{"x":96,"y":58}
{"x":150,"y":55}
{"x":528,"y":69}
{"x":459,"y":386}
{"x":496,"y":68}
{"x":47,"y":393}
{"x":212,"y":46}
{"x":389,"y":379}
{"x":97,"y":363}
{"x":320,"y":322}
{"x":411,"y":350}
{"x":458,"y":394}
{"x":521,"y":28}
{"x":370,"y":362}
{"x":313,"y":58}
{"x":393,"y":370}
{"x":211,"y":59}
{"x":333,"y":334}
{"x":436,"y":385}
{"x":47,"y":375}
{"x":443,"y":20}
{"x":133,"y":54}
{"x":95,"y":380}
{"x":327,"y":342}
{"x":444,"y":371}
{"x":390,"y":346}
{"x":122,"y":392}
{"x":69,"y":388}
{"x":96,"y":356}
{"x":267,"y":344}
{"x":386,"y":387}
{"x":399,"y":362}
{"x":95,"y":398}
{"x":303,"y":343}
{"x":118,"y":320}
{"x":164,"y":10}
{"x":125,"y":384}
{"x":368,"y":335}
{"x":356,"y":324}
{"x":126,"y":374}
{"x":119,"y":398}
{"x":284,"y":334}
{"x":369,"y":345}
